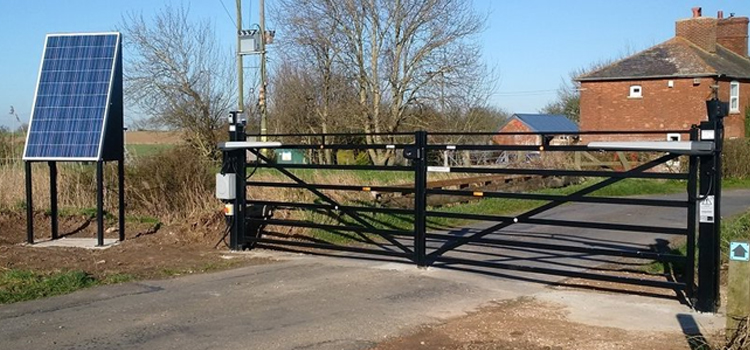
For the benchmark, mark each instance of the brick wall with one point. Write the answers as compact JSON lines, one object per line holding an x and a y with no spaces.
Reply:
{"x":734,"y":124}
{"x":516,"y":125}
{"x":732,"y":34}
{"x":606,"y":106}
{"x":700,"y":30}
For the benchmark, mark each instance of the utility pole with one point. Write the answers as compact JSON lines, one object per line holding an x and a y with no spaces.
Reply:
{"x":263,"y":83}
{"x":240,"y":72}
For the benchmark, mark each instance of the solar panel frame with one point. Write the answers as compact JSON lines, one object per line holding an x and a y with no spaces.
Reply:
{"x":114,"y":68}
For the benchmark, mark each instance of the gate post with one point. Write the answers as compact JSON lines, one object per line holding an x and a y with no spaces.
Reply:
{"x":709,"y":223}
{"x":692,"y":210}
{"x":238,"y":160}
{"x":420,"y":199}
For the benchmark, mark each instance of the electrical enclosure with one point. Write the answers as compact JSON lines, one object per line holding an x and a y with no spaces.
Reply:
{"x":225,"y":186}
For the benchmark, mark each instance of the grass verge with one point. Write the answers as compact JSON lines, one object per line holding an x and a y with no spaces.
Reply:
{"x":23,"y":285}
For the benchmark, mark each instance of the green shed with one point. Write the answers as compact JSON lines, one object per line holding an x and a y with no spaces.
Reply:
{"x":290,"y":156}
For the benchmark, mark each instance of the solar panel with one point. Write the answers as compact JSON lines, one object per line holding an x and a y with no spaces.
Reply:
{"x":73,"y":95}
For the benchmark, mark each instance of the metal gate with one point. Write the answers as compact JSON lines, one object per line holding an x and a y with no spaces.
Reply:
{"x":425,"y":235}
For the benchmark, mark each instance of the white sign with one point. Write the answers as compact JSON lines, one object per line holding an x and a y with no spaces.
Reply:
{"x":706,"y":206}
{"x":739,"y":251}
{"x":286,"y":156}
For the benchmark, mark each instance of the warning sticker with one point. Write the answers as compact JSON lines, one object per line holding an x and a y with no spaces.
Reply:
{"x":706,"y":209}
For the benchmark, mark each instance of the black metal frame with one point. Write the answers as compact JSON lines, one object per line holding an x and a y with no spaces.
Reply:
{"x":703,"y":294}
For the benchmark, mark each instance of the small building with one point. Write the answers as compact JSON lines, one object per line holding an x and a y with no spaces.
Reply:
{"x":665,"y":87}
{"x":550,"y":124}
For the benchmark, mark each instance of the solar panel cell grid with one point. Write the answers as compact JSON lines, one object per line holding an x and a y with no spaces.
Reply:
{"x":72,"y":95}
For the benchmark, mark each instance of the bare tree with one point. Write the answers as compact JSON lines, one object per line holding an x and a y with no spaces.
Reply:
{"x":178,"y":75}
{"x":393,"y":51}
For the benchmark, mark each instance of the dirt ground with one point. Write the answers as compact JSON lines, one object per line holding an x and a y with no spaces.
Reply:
{"x":149,"y":250}
{"x":527,"y":324}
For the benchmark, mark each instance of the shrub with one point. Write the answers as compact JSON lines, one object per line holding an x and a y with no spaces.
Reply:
{"x":736,"y":159}
{"x":174,"y":184}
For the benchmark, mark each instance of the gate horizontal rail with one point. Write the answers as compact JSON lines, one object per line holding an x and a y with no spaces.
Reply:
{"x":553,"y":197}
{"x":638,"y":254}
{"x":562,"y":223}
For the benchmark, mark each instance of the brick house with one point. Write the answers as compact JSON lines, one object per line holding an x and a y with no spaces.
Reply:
{"x":537,"y":123}
{"x":666,"y":86}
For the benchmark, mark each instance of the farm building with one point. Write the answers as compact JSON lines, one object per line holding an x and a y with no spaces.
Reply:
{"x":536,"y":123}
{"x":665,"y":87}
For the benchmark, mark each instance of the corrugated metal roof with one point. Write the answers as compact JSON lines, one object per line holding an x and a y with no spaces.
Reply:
{"x":547,"y":122}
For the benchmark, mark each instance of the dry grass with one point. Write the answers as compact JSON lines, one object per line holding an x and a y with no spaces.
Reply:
{"x":736,"y":159}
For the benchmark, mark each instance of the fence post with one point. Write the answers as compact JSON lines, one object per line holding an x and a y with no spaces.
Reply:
{"x":420,"y":199}
{"x":709,"y":225}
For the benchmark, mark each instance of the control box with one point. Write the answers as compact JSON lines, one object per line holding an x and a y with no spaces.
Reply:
{"x":226,"y":186}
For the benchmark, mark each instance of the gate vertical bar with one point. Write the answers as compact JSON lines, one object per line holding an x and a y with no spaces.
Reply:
{"x":100,"y":203}
{"x":420,"y":199}
{"x":29,"y":205}
{"x":53,"y":197}
{"x":692,"y":186}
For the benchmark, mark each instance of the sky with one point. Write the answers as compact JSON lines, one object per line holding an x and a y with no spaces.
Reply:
{"x":532,"y":45}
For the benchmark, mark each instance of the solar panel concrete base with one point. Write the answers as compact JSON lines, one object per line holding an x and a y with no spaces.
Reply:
{"x":86,"y":243}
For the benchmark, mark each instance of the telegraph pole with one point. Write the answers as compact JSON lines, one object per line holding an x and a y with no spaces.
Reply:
{"x":263,"y":83}
{"x":240,"y":72}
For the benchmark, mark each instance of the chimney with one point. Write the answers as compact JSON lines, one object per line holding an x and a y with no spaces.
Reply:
{"x":720,"y":14}
{"x":699,"y":30}
{"x":731,"y":33}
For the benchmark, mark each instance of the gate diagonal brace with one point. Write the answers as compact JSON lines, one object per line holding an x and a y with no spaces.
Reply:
{"x":578,"y":194}
{"x":322,"y":196}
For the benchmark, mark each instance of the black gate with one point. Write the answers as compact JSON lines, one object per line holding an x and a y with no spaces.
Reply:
{"x":424,"y":234}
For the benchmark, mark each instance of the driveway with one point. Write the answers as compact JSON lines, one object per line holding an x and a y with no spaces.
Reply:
{"x":315,"y":302}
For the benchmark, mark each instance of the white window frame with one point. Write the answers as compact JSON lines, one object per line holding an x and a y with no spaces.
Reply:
{"x":734,"y":97}
{"x":636,"y":91}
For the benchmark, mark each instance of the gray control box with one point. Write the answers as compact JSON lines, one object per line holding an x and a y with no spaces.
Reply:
{"x":226,"y":186}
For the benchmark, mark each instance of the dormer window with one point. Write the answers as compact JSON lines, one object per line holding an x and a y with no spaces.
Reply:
{"x":635,"y":91}
{"x":734,"y":97}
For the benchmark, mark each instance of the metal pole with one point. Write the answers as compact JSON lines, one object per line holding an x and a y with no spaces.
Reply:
{"x":99,"y":203}
{"x":420,"y":200}
{"x":121,"y":192}
{"x":53,"y":197}
{"x":263,"y":82}
{"x":29,"y":206}
{"x":689,"y":271}
{"x":240,"y":71}
{"x":709,"y":226}
{"x":237,"y":236}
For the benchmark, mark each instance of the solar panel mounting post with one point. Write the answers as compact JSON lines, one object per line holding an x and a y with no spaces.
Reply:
{"x":100,"y":203}
{"x":29,"y":205}
{"x":53,"y":197}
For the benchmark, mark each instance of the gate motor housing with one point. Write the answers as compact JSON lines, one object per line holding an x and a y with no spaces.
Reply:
{"x":226,"y":188}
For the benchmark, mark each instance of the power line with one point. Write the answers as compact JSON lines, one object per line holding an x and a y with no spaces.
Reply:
{"x":227,"y":12}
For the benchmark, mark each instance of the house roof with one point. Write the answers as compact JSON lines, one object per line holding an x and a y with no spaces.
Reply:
{"x":676,"y":57}
{"x":546,"y":122}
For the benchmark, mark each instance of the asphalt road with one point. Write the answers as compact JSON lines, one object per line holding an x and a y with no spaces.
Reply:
{"x":311,"y":302}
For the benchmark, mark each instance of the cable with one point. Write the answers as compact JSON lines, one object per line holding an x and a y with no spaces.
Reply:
{"x":227,"y":11}
{"x":226,"y":233}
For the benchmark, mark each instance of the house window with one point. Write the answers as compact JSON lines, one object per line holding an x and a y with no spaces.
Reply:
{"x":635,"y":91}
{"x":734,"y":97}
